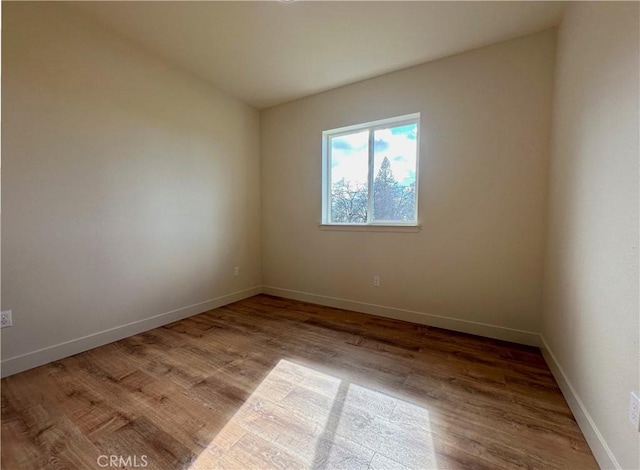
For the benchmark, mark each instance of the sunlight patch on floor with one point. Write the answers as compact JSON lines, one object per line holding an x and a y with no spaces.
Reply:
{"x":299,"y":417}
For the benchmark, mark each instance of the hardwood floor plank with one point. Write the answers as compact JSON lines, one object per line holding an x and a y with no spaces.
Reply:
{"x":18,"y":450}
{"x":59,"y":442}
{"x":274,"y":383}
{"x":142,"y":440}
{"x":85,"y":406}
{"x":257,"y":453}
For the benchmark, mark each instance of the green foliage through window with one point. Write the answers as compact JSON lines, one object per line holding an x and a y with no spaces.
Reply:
{"x":372,"y":173}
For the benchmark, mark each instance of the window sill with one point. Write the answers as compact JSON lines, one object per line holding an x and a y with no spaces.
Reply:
{"x":370,"y":228}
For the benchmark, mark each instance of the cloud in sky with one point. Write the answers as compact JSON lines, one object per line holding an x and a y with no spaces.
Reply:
{"x":349,"y":154}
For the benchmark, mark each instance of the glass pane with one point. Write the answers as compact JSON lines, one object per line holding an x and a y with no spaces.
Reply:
{"x":394,"y":170}
{"x":349,"y":178}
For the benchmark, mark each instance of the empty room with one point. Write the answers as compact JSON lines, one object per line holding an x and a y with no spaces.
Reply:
{"x":320,"y":235}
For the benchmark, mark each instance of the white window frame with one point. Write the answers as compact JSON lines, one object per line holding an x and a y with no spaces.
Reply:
{"x":372,"y":126}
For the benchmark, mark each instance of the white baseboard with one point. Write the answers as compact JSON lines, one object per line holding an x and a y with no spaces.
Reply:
{"x":594,"y":438}
{"x":465,"y":326}
{"x":598,"y":445}
{"x":23,"y":362}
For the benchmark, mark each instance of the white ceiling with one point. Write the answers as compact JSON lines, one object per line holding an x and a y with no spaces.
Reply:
{"x":270,"y":52}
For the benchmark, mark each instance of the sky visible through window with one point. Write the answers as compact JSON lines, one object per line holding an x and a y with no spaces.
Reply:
{"x":349,"y":155}
{"x":394,"y":175}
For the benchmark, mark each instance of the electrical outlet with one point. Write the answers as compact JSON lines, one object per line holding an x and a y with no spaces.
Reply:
{"x":5,"y":319}
{"x":236,"y":271}
{"x":376,"y":281}
{"x":634,"y":411}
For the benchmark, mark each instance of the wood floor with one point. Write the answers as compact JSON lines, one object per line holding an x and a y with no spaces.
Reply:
{"x":272,"y":383}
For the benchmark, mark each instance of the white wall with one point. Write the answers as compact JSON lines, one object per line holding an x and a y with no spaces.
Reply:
{"x":130,"y":189}
{"x":482,"y":184}
{"x":591,"y":317}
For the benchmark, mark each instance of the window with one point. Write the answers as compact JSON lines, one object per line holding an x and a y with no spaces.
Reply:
{"x":370,"y":173}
